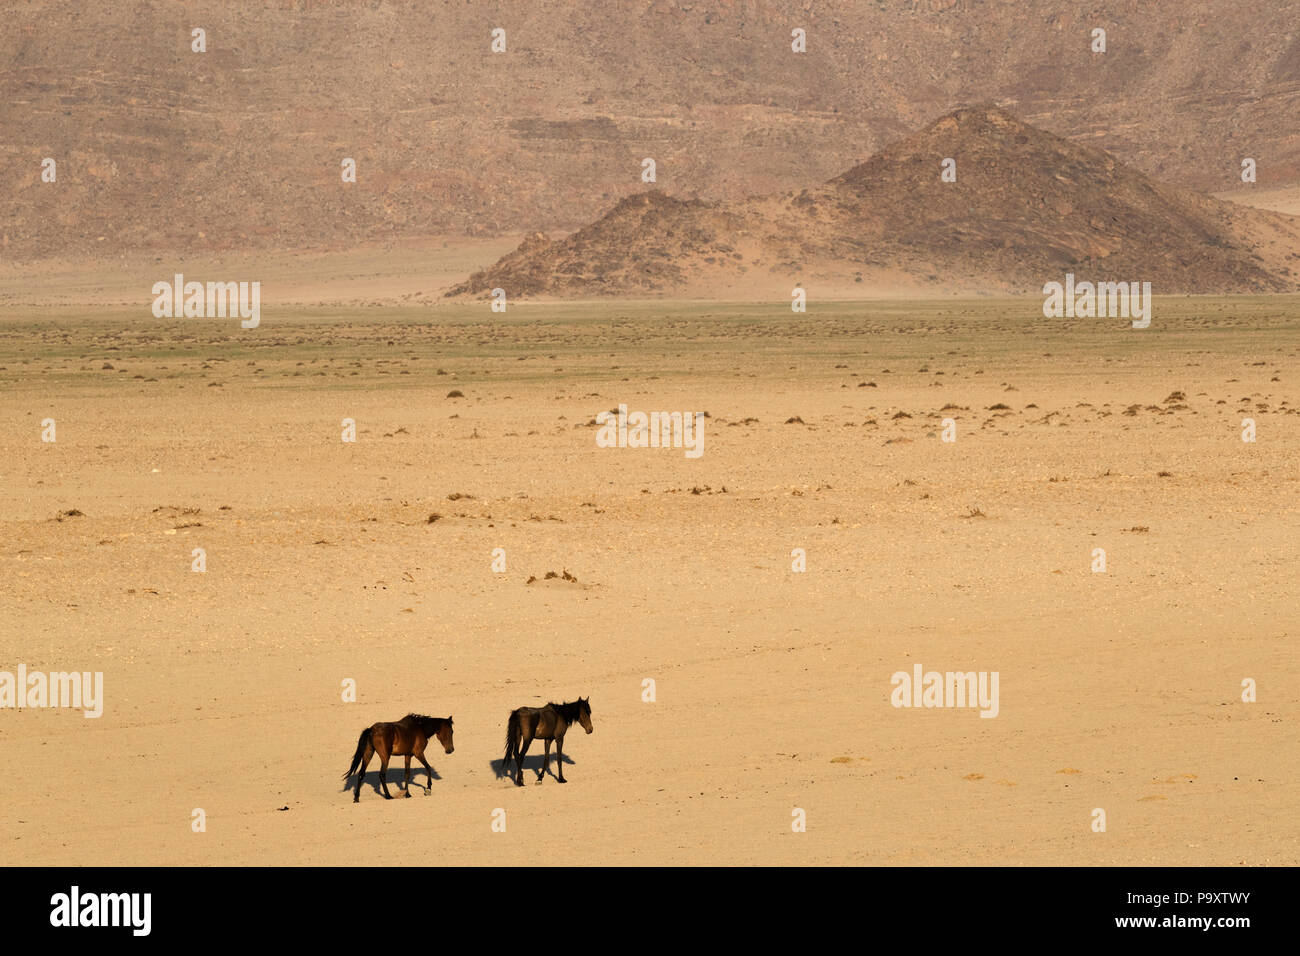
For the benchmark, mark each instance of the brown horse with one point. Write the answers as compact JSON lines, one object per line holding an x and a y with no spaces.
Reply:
{"x":549,"y":723}
{"x":406,"y":738}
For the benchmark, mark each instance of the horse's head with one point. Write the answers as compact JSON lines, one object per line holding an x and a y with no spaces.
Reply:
{"x":584,"y":714}
{"x":444,"y":736}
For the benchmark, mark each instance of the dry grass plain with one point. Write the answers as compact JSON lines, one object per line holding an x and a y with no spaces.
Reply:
{"x":1119,"y":690}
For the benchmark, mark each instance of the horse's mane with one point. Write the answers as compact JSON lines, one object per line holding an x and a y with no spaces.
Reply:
{"x":425,"y":718}
{"x":569,"y":711}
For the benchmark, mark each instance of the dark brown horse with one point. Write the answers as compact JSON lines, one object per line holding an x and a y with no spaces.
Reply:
{"x":549,"y":723}
{"x":406,"y":738}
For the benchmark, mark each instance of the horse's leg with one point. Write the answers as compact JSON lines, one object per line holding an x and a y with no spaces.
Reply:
{"x":384,"y":754}
{"x":361,"y":774}
{"x":519,"y":761}
{"x":546,"y":760}
{"x":418,"y":750}
{"x":408,"y":775}
{"x":559,"y":758}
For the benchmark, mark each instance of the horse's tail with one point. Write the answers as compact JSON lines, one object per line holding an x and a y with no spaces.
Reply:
{"x":356,"y":757}
{"x":512,"y":740}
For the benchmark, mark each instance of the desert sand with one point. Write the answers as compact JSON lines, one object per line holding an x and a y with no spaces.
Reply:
{"x":372,"y":562}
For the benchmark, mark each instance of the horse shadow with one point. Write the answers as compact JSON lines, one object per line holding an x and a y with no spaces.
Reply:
{"x":532,"y":762}
{"x":396,"y":776}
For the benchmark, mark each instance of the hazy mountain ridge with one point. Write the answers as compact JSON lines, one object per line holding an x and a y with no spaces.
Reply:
{"x":163,"y":149}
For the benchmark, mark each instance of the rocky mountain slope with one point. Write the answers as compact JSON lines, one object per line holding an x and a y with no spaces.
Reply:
{"x":239,"y":148}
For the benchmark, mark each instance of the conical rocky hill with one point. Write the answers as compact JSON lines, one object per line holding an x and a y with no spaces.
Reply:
{"x":1026,"y":206}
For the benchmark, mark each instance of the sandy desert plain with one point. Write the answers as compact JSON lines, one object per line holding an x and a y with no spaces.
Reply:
{"x":325,"y":561}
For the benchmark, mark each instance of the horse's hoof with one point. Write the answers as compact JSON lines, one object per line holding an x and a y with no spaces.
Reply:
{"x":562,"y":780}
{"x":407,"y":795}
